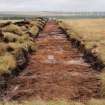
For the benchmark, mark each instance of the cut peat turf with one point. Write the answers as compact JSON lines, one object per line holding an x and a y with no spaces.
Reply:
{"x":55,"y":71}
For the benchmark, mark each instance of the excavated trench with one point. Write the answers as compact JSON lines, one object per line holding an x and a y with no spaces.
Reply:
{"x":55,"y":71}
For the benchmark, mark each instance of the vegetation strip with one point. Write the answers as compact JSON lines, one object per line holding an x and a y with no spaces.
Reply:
{"x":17,"y":41}
{"x":91,"y":45}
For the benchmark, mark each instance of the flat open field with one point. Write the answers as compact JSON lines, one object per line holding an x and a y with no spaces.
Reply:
{"x":49,"y":60}
{"x":90,"y":33}
{"x":87,"y":26}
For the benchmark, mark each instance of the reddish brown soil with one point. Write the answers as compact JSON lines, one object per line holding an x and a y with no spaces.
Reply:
{"x":55,"y":71}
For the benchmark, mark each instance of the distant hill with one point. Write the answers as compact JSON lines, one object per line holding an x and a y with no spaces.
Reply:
{"x":52,"y":14}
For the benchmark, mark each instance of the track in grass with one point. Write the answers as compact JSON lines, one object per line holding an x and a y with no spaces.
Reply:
{"x":55,"y":71}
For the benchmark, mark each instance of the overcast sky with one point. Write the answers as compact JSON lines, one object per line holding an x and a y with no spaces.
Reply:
{"x":52,"y":5}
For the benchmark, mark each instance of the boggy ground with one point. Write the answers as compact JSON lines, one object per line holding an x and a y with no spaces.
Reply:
{"x":55,"y":71}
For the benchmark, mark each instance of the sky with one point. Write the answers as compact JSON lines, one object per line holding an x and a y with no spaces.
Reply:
{"x":52,"y":5}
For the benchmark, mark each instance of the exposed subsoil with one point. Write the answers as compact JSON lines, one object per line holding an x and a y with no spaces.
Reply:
{"x":56,"y":70}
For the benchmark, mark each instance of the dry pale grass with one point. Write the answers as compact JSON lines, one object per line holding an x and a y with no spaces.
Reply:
{"x":13,"y":29}
{"x":87,"y":26}
{"x":60,"y":102}
{"x":90,"y":32}
{"x":34,"y":30}
{"x":96,"y":102}
{"x":26,"y":43}
{"x":26,"y":46}
{"x":7,"y":63}
{"x":3,"y":48}
{"x":10,"y":37}
{"x":41,"y":102}
{"x":93,"y":29}
{"x":23,"y":42}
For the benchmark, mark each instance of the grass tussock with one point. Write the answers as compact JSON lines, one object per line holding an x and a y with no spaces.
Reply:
{"x":13,"y":29}
{"x":34,"y":31}
{"x":10,"y":37}
{"x":7,"y":63}
{"x":3,"y":48}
